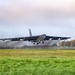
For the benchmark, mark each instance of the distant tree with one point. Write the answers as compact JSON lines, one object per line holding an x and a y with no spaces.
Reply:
{"x":62,"y":43}
{"x":68,"y":43}
{"x":73,"y":43}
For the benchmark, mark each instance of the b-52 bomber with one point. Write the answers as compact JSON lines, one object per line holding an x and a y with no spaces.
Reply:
{"x":37,"y":39}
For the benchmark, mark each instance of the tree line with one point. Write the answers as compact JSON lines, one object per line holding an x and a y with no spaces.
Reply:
{"x":67,"y":43}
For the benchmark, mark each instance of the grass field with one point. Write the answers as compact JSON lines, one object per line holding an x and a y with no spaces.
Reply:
{"x":37,"y":62}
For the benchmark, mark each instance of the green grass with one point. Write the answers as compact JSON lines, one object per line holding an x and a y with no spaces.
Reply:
{"x":37,"y":62}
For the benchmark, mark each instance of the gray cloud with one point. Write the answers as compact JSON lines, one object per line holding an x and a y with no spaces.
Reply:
{"x":30,"y":11}
{"x":53,"y":16}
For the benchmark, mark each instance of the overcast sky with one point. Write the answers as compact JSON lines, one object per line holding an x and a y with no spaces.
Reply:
{"x":51,"y":17}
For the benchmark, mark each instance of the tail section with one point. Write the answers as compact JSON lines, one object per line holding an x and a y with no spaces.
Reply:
{"x":30,"y":33}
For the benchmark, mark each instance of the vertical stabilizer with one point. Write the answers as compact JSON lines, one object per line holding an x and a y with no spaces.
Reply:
{"x":30,"y":33}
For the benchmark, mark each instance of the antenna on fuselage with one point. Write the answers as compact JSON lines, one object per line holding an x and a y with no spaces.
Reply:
{"x":30,"y":33}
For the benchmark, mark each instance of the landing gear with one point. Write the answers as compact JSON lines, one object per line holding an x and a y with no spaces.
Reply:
{"x":37,"y":43}
{"x":33,"y":43}
{"x":42,"y":42}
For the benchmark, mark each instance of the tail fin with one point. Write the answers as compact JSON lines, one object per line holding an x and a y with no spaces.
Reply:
{"x":30,"y":33}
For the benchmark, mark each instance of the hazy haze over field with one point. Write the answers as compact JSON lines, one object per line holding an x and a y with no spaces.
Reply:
{"x":52,"y":17}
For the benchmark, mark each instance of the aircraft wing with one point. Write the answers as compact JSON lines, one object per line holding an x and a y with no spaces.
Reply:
{"x":12,"y":39}
{"x":56,"y":38}
{"x":33,"y":38}
{"x":36,"y":38}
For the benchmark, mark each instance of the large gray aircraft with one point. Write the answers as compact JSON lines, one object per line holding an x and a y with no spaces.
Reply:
{"x":37,"y":39}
